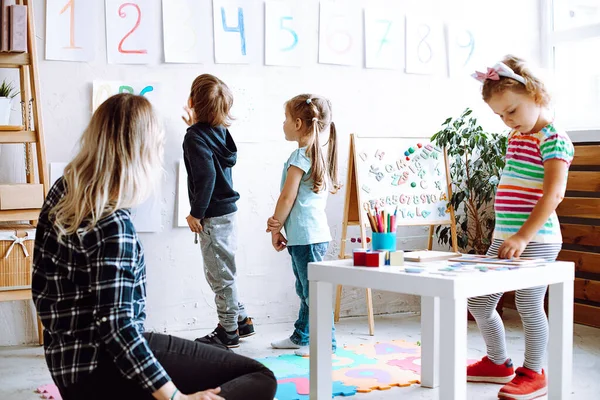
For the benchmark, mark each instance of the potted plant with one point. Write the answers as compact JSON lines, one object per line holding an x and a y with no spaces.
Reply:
{"x":7,"y":94}
{"x":476,"y":161}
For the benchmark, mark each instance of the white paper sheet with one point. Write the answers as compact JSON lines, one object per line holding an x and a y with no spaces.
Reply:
{"x":70,"y":30}
{"x":102,"y":90}
{"x":384,"y":38}
{"x":284,"y":36}
{"x":424,"y":45}
{"x":130,"y":28}
{"x":231,"y":31}
{"x":183,"y":200}
{"x":183,"y":42}
{"x":340,"y":34}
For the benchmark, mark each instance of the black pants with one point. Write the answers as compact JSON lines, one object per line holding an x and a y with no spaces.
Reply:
{"x":192,"y":366}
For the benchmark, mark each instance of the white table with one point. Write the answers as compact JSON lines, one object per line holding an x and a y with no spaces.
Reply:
{"x":443,"y":304}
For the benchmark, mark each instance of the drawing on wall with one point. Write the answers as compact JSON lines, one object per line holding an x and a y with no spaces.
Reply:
{"x":384,"y":38}
{"x":130,"y":31}
{"x":182,"y":39}
{"x":424,"y":45}
{"x":283,"y":34}
{"x":340,"y":31}
{"x":70,"y":30}
{"x":146,"y":217}
{"x":463,"y":50}
{"x":230,"y":31}
{"x":102,"y":90}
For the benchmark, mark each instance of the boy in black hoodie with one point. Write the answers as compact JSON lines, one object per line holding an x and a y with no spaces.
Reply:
{"x":209,"y":153}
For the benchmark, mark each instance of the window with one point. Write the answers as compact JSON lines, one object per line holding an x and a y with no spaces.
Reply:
{"x":571,"y":36}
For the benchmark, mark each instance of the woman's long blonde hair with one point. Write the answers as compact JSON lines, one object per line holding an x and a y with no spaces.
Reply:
{"x":119,"y":164}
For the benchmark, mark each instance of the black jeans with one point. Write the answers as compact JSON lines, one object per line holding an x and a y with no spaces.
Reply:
{"x":192,"y":366}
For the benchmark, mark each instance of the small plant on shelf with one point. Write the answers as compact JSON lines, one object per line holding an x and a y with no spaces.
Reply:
{"x":7,"y":89}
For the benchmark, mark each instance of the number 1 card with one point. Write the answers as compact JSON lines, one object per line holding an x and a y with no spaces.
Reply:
{"x":70,"y":27}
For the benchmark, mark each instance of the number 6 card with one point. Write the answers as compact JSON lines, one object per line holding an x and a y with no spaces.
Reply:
{"x":130,"y":37}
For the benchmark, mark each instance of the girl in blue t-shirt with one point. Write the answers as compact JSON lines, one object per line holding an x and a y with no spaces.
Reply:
{"x":308,"y":175}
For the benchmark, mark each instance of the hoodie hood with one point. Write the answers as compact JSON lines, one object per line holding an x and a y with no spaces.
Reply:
{"x":219,"y":140}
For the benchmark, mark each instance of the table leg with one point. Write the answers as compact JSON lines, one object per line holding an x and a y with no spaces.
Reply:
{"x":320,"y":339}
{"x":453,"y":349}
{"x":430,"y":341}
{"x":560,"y":346}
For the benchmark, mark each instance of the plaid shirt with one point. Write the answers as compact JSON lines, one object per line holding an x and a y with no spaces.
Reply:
{"x":90,"y":292}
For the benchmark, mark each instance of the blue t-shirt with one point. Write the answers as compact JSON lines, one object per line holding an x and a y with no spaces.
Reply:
{"x":307,"y":222}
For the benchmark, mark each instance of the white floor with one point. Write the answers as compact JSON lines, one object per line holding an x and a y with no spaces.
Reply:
{"x":22,"y":369}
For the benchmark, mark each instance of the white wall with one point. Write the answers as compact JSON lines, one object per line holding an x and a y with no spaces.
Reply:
{"x":365,"y":102}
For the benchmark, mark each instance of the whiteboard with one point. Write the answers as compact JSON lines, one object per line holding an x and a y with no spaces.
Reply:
{"x":403,"y":175}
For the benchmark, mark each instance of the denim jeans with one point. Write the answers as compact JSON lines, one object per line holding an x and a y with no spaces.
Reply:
{"x":301,"y":256}
{"x":192,"y":366}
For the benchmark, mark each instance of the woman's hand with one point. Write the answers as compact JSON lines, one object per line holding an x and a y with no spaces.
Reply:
{"x":512,"y":247}
{"x":273,"y":225}
{"x":211,"y":394}
{"x":194,"y":224}
{"x":278,"y":241}
{"x":189,"y":120}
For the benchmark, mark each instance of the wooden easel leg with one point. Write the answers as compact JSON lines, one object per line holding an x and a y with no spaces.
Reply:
{"x":338,"y":303}
{"x":370,"y":312}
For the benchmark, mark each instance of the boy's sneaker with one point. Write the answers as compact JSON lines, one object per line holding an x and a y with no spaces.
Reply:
{"x":246,"y":327}
{"x":486,"y":371}
{"x":285,"y":344}
{"x":526,"y":385}
{"x":220,"y":337}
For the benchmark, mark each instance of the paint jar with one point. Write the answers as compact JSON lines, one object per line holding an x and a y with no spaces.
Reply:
{"x":384,"y":241}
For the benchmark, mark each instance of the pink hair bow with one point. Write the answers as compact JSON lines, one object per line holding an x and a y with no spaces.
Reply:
{"x":483,"y":76}
{"x":498,"y":70}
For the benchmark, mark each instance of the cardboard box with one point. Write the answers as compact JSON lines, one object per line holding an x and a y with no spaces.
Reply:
{"x":21,"y":196}
{"x":375,"y":259}
{"x":360,"y":257}
{"x":397,"y":258}
{"x":18,"y":29}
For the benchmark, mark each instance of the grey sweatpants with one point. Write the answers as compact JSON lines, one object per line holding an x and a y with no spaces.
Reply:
{"x":218,"y":242}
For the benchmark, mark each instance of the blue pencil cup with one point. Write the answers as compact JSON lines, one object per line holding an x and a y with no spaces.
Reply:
{"x":384,"y":241}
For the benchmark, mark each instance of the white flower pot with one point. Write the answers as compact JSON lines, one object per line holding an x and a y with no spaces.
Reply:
{"x":5,"y":104}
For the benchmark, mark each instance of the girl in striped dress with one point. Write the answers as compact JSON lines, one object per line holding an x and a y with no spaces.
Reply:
{"x":531,"y":187}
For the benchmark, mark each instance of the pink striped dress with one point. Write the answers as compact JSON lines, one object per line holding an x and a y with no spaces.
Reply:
{"x":522,"y":181}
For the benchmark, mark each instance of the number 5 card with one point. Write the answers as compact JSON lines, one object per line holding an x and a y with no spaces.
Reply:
{"x":284,"y":39}
{"x":130,"y":31}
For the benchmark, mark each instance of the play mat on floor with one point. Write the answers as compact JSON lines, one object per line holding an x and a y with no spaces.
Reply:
{"x":362,"y":368}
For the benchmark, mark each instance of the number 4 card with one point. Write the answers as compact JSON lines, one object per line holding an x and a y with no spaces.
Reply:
{"x":130,"y":31}
{"x":70,"y":27}
{"x":284,"y":40}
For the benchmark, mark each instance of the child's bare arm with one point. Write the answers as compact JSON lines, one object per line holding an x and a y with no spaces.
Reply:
{"x":286,"y":198}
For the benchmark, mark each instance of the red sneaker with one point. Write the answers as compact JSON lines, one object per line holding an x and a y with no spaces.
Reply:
{"x":486,"y":371}
{"x":526,"y":385}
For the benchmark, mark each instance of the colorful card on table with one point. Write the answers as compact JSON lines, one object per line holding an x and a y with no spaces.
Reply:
{"x":428,"y":255}
{"x":483,"y":259}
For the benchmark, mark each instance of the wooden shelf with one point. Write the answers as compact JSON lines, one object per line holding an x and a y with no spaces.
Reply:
{"x":19,"y":215}
{"x":7,"y":137}
{"x":14,"y":60}
{"x":12,"y":295}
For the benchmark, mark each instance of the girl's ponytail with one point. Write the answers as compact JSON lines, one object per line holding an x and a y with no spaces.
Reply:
{"x":332,"y":158}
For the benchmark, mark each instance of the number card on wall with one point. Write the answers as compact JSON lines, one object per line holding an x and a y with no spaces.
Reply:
{"x":70,"y":28}
{"x":102,"y":90}
{"x":424,"y":45}
{"x":183,"y":42}
{"x":406,"y":175}
{"x":231,"y":31}
{"x":384,"y":38}
{"x":340,"y":32}
{"x":130,"y":31}
{"x":463,"y":50}
{"x":283,"y":34}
